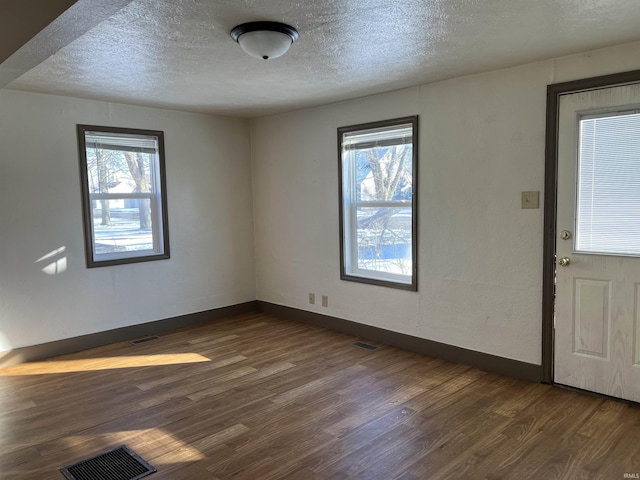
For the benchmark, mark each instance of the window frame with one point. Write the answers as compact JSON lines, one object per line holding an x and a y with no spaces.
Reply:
{"x":160,"y":234}
{"x":347,"y":209}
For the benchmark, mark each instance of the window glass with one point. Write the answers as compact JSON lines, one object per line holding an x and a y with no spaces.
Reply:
{"x":608,"y":213}
{"x":377,"y":190}
{"x":123,"y":195}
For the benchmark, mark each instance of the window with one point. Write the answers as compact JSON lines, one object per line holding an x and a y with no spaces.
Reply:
{"x":378,"y":174}
{"x":123,"y":194}
{"x":609,"y":184}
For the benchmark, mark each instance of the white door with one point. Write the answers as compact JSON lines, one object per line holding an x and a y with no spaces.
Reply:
{"x":597,"y":322}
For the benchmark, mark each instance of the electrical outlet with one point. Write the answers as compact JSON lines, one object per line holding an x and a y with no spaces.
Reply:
{"x":325,"y":300}
{"x":312,"y":298}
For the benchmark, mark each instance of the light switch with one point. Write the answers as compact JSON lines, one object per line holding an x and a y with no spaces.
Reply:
{"x":530,"y":200}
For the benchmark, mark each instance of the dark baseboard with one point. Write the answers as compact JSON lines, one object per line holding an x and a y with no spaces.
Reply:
{"x":76,"y":344}
{"x":483,"y":361}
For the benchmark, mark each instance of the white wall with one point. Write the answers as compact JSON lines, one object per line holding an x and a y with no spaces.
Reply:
{"x":210,"y":221}
{"x":480,"y":255}
{"x":481,"y":143}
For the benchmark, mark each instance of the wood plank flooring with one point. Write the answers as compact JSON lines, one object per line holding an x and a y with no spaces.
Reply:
{"x":258,"y":397}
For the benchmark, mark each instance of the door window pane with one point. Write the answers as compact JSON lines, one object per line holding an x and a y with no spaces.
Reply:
{"x":608,"y":213}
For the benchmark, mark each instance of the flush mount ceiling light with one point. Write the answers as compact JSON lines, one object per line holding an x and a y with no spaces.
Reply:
{"x":265,"y":40}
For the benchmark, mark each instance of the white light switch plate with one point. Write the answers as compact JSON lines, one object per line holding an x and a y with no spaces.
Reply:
{"x":530,"y":200}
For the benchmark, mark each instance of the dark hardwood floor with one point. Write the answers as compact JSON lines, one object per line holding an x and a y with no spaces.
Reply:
{"x":258,"y":397}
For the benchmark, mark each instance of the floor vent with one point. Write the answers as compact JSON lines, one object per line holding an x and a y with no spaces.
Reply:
{"x":118,"y":464}
{"x":366,"y":346}
{"x":143,"y":340}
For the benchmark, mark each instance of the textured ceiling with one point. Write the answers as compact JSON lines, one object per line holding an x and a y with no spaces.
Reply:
{"x":178,"y":53}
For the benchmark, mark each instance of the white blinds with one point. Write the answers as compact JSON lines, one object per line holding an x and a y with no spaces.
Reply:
{"x":122,"y":141}
{"x":378,"y":137}
{"x":608,"y":213}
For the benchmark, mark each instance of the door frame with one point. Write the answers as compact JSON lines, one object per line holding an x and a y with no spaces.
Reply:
{"x":554,"y":92}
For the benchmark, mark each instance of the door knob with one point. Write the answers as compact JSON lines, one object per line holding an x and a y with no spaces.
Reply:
{"x":565,"y":234}
{"x":564,"y":261}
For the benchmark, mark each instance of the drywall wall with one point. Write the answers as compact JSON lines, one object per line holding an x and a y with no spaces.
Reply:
{"x":46,"y":291}
{"x":480,"y":255}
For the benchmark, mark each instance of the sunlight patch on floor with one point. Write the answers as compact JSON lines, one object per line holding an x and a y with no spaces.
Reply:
{"x":145,"y":442}
{"x":96,"y":364}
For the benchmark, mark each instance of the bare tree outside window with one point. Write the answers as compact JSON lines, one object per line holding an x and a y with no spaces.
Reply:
{"x":384,"y":233}
{"x":138,"y":164}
